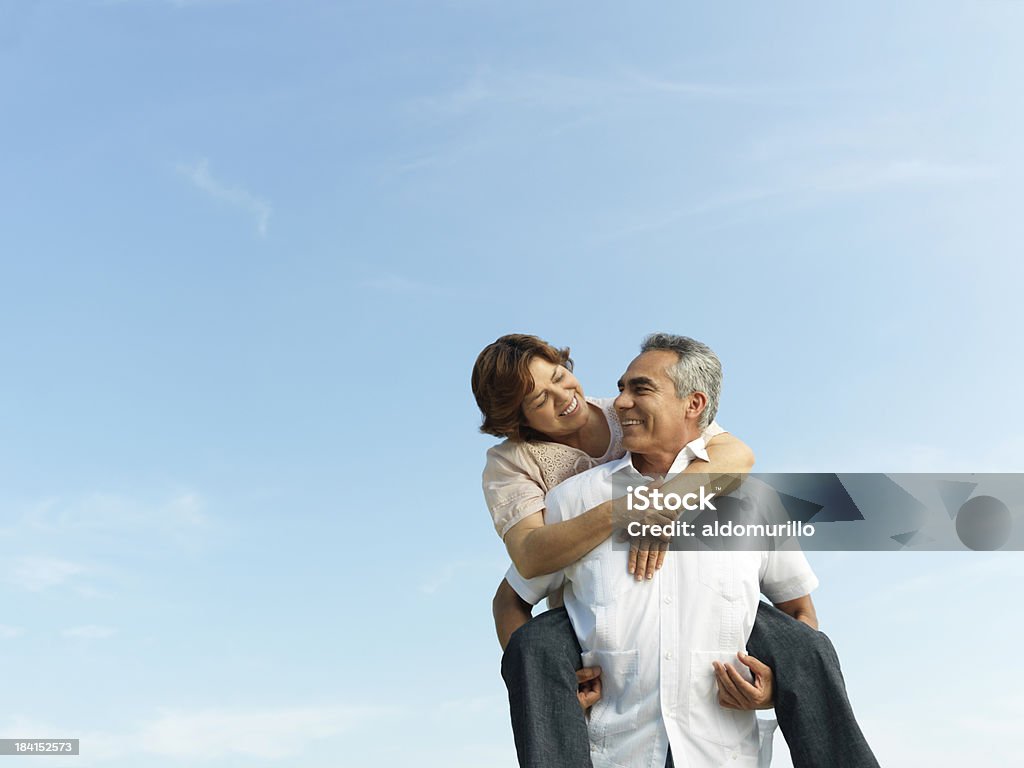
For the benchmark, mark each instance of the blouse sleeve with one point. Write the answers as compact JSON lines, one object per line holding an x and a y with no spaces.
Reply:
{"x":510,"y":491}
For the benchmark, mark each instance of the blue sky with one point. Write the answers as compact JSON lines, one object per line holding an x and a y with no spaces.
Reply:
{"x":251,"y":249}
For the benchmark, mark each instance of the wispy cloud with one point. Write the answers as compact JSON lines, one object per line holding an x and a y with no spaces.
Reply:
{"x":90,"y":632}
{"x":551,"y":90}
{"x":8,"y":632}
{"x":815,"y":186}
{"x":37,"y":574}
{"x":181,"y":517}
{"x":270,"y":734}
{"x":897,"y":172}
{"x":231,"y":194}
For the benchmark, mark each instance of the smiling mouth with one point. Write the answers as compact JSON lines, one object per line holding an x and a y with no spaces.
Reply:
{"x":571,"y":407}
{"x":632,"y":422}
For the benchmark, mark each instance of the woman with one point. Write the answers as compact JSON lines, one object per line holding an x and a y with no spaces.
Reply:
{"x":527,"y":394}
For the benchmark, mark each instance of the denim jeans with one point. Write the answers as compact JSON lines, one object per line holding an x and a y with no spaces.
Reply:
{"x":814,"y":713}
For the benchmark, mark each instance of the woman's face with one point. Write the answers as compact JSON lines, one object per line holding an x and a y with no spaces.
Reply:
{"x":555,"y":406}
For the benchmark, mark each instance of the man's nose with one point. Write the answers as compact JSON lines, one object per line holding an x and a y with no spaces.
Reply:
{"x":622,"y":402}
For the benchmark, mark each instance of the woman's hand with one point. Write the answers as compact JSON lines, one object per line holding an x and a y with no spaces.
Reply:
{"x":646,"y":555}
{"x":589,"y":680}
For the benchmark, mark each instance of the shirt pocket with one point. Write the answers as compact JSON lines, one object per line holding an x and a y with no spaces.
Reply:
{"x":600,"y":578}
{"x":710,"y":720}
{"x":728,"y":574}
{"x":618,"y":708}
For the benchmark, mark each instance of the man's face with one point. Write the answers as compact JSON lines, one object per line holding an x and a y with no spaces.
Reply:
{"x":653,"y":419}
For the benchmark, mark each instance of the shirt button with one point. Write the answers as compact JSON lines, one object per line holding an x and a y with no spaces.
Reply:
{"x":668,"y":655}
{"x":667,"y":599}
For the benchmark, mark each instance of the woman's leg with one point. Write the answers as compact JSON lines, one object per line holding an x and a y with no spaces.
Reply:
{"x":811,"y":704}
{"x":539,"y":668}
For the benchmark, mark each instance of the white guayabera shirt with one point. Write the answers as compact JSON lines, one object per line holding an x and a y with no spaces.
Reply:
{"x":655,"y":640}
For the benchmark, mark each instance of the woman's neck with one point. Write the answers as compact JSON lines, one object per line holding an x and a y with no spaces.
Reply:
{"x":593,"y":438}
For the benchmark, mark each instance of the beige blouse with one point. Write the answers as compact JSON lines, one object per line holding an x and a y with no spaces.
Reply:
{"x":518,"y":475}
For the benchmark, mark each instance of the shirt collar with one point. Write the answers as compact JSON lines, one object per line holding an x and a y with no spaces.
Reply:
{"x":695,"y":449}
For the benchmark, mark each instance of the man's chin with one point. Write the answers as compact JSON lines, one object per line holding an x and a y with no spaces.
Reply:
{"x":633,"y":446}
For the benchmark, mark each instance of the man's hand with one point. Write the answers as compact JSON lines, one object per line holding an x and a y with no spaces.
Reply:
{"x":734,"y":692}
{"x":589,"y":693}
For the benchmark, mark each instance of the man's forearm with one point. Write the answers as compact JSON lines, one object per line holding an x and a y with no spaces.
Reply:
{"x":801,"y":609}
{"x":510,"y":612}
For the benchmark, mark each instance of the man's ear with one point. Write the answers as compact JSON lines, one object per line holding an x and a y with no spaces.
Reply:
{"x":695,"y":406}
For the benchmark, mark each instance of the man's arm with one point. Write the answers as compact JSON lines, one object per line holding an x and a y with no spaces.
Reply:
{"x":801,"y":609}
{"x":510,"y":612}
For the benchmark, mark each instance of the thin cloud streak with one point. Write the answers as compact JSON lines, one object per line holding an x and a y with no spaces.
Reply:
{"x":233,"y":195}
{"x":817,"y":186}
{"x":568,"y":92}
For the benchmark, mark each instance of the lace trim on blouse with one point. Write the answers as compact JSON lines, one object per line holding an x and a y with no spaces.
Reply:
{"x":559,"y":462}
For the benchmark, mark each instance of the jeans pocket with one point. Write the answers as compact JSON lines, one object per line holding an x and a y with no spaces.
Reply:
{"x":618,"y":708}
{"x":709,"y":719}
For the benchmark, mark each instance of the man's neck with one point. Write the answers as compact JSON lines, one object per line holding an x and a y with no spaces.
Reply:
{"x":659,"y":462}
{"x":653,"y":463}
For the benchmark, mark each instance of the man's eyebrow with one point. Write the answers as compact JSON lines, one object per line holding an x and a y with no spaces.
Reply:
{"x":640,"y":381}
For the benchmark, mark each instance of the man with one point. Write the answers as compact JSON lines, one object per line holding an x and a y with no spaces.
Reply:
{"x":674,"y":676}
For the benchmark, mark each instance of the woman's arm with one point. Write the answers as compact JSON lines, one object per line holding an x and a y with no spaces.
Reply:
{"x":537,"y":549}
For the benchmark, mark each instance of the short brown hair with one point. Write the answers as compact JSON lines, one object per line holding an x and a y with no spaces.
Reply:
{"x":501,"y":381}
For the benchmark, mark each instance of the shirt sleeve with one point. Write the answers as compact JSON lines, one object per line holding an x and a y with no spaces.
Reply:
{"x":509,"y":491}
{"x":533,"y":590}
{"x":786,"y":575}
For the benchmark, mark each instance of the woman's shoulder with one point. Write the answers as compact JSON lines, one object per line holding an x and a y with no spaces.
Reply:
{"x":507,"y":450}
